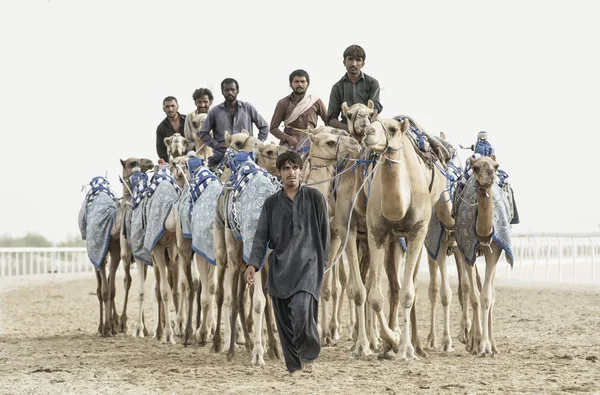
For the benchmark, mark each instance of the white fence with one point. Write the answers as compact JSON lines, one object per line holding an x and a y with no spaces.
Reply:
{"x":538,"y":257}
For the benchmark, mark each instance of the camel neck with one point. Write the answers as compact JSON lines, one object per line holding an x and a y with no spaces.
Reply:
{"x":485,"y":209}
{"x":395,"y":183}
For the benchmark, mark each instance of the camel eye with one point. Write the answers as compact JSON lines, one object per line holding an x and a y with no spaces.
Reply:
{"x":331,"y":143}
{"x":349,"y":116}
{"x":269,"y":153}
{"x":238,"y":144}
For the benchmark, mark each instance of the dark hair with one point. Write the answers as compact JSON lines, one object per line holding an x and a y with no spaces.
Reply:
{"x":198,"y":93}
{"x":169,"y":98}
{"x":291,"y":157}
{"x":230,"y":81}
{"x":299,"y":73}
{"x":355,"y":51}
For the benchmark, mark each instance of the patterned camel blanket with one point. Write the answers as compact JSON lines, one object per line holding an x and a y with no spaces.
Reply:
{"x":466,"y":216}
{"x":150,"y":213}
{"x":435,"y":232}
{"x":96,"y":218}
{"x":253,"y":185}
{"x":183,"y":210}
{"x":205,"y":192}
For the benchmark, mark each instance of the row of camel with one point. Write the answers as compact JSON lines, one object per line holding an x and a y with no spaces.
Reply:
{"x":380,"y":191}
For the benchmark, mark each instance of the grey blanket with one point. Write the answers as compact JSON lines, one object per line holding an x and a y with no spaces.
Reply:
{"x":137,"y":234}
{"x":434,"y":236}
{"x":466,"y":216}
{"x":185,"y":216}
{"x":248,"y":206}
{"x":158,"y":208}
{"x":96,"y":218}
{"x":203,"y":219}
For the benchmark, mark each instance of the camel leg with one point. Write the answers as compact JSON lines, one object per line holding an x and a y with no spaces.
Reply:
{"x":99,"y":295}
{"x":158,"y":305}
{"x":491,"y":260}
{"x":358,"y":293}
{"x":414,"y":246}
{"x":376,"y":298}
{"x":126,"y":257}
{"x":416,"y":341}
{"x":433,"y":293}
{"x":336,"y":288}
{"x":393,"y":257}
{"x":104,"y":293}
{"x":229,"y":325}
{"x":446,"y":298}
{"x":273,"y":348}
{"x":463,"y":295}
{"x":258,"y":311}
{"x":186,"y":310}
{"x":234,"y":311}
{"x":208,"y":289}
{"x":491,"y":320}
{"x":172,"y":267}
{"x":139,"y":330}
{"x":221,"y":259}
{"x":165,"y":291}
{"x":474,"y":296}
{"x":242,"y":294}
{"x":115,"y":258}
{"x":343,"y":276}
{"x":250,"y":301}
{"x":324,"y":303}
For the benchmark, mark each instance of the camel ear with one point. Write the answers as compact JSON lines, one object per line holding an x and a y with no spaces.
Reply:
{"x":345,"y":108}
{"x":471,"y":161}
{"x":245,"y":132}
{"x":443,"y":135}
{"x":122,"y":163}
{"x":404,"y":125}
{"x":312,"y":137}
{"x":168,"y":140}
{"x":310,"y":130}
{"x":370,"y":104}
{"x":493,"y":157}
{"x":374,"y":114}
{"x":227,"y":138}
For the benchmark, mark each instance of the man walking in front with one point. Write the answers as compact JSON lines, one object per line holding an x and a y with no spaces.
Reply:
{"x":294,"y":223}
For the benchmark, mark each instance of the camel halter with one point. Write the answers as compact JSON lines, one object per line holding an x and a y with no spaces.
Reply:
{"x":387,"y":148}
{"x":237,"y":150}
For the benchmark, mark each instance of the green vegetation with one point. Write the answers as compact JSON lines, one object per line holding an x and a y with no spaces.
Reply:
{"x":37,"y":240}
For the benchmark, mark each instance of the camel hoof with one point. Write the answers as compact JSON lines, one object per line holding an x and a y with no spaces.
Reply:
{"x":447,"y":348}
{"x":362,"y":350}
{"x":463,"y":336}
{"x":217,"y":346}
{"x":421,"y":353}
{"x":230,"y":356}
{"x":123,"y":324}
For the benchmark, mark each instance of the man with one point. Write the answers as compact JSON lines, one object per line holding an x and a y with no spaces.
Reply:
{"x":354,"y":87}
{"x":173,"y":123}
{"x":294,"y":223}
{"x":298,"y":110}
{"x":233,"y":116}
{"x":203,"y":99}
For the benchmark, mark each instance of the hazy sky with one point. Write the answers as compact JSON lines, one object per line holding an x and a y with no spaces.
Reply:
{"x":83,"y":83}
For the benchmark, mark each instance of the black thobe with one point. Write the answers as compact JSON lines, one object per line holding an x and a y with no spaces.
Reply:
{"x":298,"y":233}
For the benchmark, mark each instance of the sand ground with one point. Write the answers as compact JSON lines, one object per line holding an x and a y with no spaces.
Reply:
{"x":549,"y":338}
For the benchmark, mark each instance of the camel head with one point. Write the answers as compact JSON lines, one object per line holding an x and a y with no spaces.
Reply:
{"x":484,"y":171}
{"x":328,"y":129}
{"x":198,"y":120}
{"x":179,"y":169}
{"x":176,"y":145}
{"x":242,"y":142}
{"x":332,"y":147}
{"x":385,"y":134}
{"x":268,"y":153}
{"x":130,"y":163}
{"x":359,"y":117}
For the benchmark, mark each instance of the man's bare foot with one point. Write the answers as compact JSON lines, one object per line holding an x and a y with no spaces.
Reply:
{"x":296,"y":372}
{"x":308,"y":367}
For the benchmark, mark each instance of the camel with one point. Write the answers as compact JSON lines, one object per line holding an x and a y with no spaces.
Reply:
{"x":327,"y":147}
{"x":403,"y":193}
{"x":176,"y":146}
{"x":202,"y":150}
{"x":350,"y":214}
{"x":98,"y":228}
{"x":489,"y":216}
{"x":128,"y":165}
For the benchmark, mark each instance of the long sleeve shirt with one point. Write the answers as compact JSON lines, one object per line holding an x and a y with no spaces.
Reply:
{"x":361,"y":91}
{"x":284,"y":108}
{"x":165,"y":129}
{"x":219,"y":121}
{"x":298,"y":233}
{"x":190,"y":130}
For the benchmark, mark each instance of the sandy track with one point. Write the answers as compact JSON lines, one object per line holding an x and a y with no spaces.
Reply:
{"x":549,"y":340}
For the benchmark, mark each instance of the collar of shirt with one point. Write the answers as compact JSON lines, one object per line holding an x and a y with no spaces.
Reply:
{"x":166,"y":120}
{"x":222,"y":105}
{"x":362,"y":76}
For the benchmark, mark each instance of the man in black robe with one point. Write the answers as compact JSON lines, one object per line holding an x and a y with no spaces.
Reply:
{"x":294,"y":223}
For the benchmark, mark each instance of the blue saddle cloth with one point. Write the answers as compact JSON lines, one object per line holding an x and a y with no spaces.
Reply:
{"x":96,"y":219}
{"x":466,"y":217}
